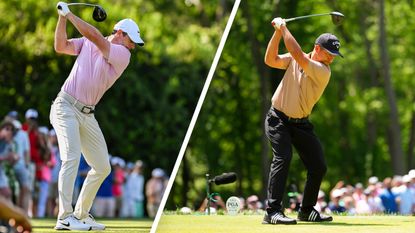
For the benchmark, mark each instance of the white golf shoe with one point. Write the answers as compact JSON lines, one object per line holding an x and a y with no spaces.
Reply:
{"x":72,"y":223}
{"x":91,"y":222}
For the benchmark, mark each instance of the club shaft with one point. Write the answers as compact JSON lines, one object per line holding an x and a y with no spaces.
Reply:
{"x":305,"y":16}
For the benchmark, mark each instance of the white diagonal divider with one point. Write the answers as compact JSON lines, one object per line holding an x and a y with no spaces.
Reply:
{"x":196,"y":114}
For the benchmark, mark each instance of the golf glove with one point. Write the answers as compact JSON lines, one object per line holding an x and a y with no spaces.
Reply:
{"x":277,"y":22}
{"x":63,"y":8}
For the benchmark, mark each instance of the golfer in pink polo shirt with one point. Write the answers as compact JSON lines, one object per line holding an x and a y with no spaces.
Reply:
{"x":100,"y":62}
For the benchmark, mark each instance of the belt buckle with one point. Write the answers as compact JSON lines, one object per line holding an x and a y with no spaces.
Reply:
{"x":88,"y":110}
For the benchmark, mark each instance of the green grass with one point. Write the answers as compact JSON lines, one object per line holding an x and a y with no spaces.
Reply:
{"x":112,"y":225}
{"x":252,"y":224}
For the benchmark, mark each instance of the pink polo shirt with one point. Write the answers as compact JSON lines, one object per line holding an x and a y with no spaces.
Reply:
{"x":92,"y":75}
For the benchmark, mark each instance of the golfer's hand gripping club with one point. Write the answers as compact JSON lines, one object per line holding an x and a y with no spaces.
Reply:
{"x":63,"y":8}
{"x":278,"y":22}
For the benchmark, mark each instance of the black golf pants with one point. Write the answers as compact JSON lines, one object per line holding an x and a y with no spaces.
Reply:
{"x":283,"y":134}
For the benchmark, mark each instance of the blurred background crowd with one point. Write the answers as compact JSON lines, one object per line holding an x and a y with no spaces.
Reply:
{"x":29,"y":171}
{"x":392,"y":195}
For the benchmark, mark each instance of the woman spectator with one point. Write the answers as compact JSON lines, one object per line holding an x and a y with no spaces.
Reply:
{"x":44,"y":165}
{"x":133,"y":193}
{"x":119,"y":179}
{"x":7,"y":155}
{"x":154,"y":191}
{"x":373,"y":200}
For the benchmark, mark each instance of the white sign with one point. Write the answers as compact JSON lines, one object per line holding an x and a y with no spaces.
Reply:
{"x":233,"y":205}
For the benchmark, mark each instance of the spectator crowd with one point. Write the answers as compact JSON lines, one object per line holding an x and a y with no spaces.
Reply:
{"x":30,"y":163}
{"x":392,"y":195}
{"x":29,"y":170}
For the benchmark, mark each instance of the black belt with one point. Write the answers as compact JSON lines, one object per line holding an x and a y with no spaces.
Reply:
{"x":290,"y":119}
{"x":87,"y":109}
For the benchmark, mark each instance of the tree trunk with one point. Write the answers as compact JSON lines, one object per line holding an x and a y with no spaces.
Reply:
{"x":239,"y":122}
{"x":371,"y":123}
{"x":411,"y":144}
{"x":186,"y":181}
{"x":221,"y":10}
{"x":394,"y":131}
{"x":265,"y":96}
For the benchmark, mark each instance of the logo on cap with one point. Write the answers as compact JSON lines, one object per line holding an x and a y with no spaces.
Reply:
{"x":337,"y":44}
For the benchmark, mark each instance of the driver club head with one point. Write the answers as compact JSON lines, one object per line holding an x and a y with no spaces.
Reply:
{"x":99,"y":14}
{"x":336,"y":18}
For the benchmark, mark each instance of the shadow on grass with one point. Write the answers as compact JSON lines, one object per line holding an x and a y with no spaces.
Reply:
{"x":115,"y":224}
{"x":344,"y":224}
{"x":129,"y":227}
{"x":107,"y":227}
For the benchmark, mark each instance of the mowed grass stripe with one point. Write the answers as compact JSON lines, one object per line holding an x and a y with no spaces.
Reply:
{"x":112,"y":225}
{"x":252,"y":224}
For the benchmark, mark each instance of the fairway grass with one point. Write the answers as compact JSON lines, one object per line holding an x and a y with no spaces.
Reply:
{"x":112,"y":225}
{"x":252,"y":224}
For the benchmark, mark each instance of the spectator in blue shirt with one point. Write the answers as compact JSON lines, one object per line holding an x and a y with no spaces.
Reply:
{"x":104,"y":203}
{"x":388,"y":197}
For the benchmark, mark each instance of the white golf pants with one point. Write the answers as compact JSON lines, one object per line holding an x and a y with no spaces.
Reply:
{"x":78,"y":133}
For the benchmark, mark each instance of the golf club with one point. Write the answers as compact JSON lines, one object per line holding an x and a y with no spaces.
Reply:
{"x":99,"y":13}
{"x":336,"y":17}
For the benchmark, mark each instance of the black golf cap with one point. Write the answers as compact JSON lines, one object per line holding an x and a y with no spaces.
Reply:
{"x":330,"y":43}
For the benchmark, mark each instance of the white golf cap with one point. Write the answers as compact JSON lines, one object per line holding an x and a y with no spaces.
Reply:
{"x":406,"y":179}
{"x":157,"y":172}
{"x":373,"y":180}
{"x":52,"y":132}
{"x":31,"y":113}
{"x":337,"y":193}
{"x":44,"y":130}
{"x":131,"y":28}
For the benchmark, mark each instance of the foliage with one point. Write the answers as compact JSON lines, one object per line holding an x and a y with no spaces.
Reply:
{"x":351,"y":118}
{"x":145,"y":114}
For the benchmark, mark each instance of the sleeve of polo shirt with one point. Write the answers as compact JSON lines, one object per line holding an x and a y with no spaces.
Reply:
{"x":318,"y":72}
{"x":119,"y":57}
{"x":287,"y":58}
{"x":77,"y":43}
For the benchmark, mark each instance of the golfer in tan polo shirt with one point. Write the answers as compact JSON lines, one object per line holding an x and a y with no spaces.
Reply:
{"x":287,"y":124}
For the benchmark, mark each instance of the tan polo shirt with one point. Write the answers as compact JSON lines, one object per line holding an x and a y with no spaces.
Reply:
{"x":300,"y":89}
